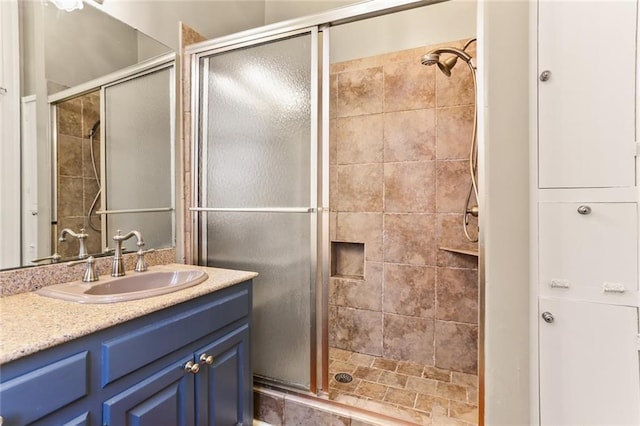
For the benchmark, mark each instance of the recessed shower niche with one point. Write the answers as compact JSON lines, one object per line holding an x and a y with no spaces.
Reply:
{"x":347,"y":260}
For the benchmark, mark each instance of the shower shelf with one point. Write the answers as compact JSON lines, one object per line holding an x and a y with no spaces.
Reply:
{"x":461,"y":251}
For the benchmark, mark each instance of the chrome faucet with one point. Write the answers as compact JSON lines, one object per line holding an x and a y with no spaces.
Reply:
{"x":118,"y":263}
{"x":82,"y":238}
{"x":90,"y":273}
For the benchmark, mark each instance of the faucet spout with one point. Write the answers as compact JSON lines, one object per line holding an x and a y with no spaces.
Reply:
{"x":117,"y":269}
{"x":81,"y":237}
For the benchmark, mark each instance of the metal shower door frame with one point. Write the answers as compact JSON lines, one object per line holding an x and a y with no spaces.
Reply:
{"x":200,"y":72}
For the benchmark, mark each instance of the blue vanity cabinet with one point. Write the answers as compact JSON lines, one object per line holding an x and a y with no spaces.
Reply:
{"x":188,"y":364}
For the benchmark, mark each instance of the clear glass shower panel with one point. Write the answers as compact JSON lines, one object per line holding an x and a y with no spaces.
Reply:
{"x":277,"y":247}
{"x":256,"y":126}
{"x":139,"y":154}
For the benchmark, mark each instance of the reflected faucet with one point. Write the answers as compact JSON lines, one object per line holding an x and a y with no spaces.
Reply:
{"x":82,"y":238}
{"x":118,"y":263}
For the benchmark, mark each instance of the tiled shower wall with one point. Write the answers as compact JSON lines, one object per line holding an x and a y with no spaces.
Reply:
{"x":76,"y":184}
{"x":400,"y":139}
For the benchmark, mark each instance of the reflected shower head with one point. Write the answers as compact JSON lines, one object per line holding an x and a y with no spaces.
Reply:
{"x":433,"y":58}
{"x":94,"y":129}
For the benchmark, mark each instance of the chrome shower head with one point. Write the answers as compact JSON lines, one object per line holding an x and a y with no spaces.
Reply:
{"x":433,"y":58}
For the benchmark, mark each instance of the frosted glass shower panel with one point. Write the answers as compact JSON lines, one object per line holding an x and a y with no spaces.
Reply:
{"x":277,"y":247}
{"x":259,"y":124}
{"x":256,"y":167}
{"x":139,"y":156}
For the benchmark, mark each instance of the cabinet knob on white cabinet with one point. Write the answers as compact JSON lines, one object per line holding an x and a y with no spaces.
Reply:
{"x":584,"y":210}
{"x":206,"y":359}
{"x":191,"y":367}
{"x":548,"y":317}
{"x":545,"y":75}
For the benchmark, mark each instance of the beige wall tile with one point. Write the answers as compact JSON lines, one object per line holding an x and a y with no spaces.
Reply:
{"x":407,"y":86}
{"x":360,"y":92}
{"x":455,"y":129}
{"x":70,"y":157}
{"x":451,"y":233}
{"x":362,"y":359}
{"x":453,"y":182}
{"x":359,"y":139}
{"x":409,"y":187}
{"x":333,"y":95}
{"x":470,"y":380}
{"x":360,"y":188}
{"x":457,"y":295}
{"x":69,"y":117}
{"x":333,"y":188}
{"x":70,"y":192}
{"x":409,"y":238}
{"x":356,"y":330}
{"x":333,"y":141}
{"x":362,"y":227}
{"x":410,"y":135}
{"x":87,"y":162}
{"x":361,"y":294}
{"x":409,"y":290}
{"x":457,"y":89}
{"x":457,"y":347}
{"x":408,"y":338}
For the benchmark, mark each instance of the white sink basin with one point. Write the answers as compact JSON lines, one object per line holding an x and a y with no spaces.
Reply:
{"x":130,"y":287}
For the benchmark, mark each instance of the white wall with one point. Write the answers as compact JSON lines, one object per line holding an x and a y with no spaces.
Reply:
{"x":212,"y":18}
{"x":503,"y":68}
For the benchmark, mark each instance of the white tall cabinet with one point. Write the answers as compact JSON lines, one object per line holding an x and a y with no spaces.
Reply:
{"x":586,"y":227}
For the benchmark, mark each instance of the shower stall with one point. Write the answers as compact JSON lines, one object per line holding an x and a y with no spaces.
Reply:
{"x":320,"y":174}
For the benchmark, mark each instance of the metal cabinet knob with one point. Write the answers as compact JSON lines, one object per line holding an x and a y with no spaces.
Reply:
{"x":191,"y":367}
{"x":545,"y":75}
{"x":548,"y":317}
{"x":584,"y":210}
{"x":206,"y":359}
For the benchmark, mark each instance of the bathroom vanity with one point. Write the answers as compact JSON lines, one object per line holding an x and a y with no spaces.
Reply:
{"x":181,"y":358}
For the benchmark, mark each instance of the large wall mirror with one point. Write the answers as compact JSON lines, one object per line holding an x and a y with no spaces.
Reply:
{"x":97,"y":135}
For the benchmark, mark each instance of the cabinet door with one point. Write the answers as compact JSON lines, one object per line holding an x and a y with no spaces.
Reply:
{"x":589,"y":372}
{"x":224,"y":388}
{"x":586,"y":108}
{"x":589,"y":256}
{"x":165,"y":398}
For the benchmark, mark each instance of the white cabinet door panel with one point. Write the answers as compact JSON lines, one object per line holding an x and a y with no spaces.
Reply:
{"x":589,"y":364}
{"x":588,"y":252}
{"x":587,"y":107}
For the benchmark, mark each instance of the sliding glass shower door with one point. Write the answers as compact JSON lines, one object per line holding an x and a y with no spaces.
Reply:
{"x":257,"y":149}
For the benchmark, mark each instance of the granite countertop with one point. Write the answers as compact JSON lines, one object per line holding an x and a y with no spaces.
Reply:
{"x":30,"y":322}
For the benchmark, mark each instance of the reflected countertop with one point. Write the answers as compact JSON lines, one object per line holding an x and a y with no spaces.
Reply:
{"x":30,"y":323}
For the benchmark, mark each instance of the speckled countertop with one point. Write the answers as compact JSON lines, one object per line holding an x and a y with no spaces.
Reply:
{"x":30,"y":323}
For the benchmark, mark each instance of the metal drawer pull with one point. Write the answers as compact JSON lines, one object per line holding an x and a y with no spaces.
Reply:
{"x":206,"y":359}
{"x":584,"y":210}
{"x":548,"y":317}
{"x":191,"y":367}
{"x":556,"y":283}
{"x":545,"y":75}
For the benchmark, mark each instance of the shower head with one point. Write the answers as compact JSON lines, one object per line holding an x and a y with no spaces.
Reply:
{"x":433,"y":58}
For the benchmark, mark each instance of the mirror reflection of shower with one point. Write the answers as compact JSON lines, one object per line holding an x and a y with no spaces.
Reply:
{"x":445,"y":65}
{"x":96,"y":175}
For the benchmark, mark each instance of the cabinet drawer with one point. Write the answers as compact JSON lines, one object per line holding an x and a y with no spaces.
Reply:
{"x":590,"y":256}
{"x":128,"y":353}
{"x":33,"y":395}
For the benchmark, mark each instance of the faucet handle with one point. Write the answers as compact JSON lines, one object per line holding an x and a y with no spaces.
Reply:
{"x":141,"y":264}
{"x":90,"y":273}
